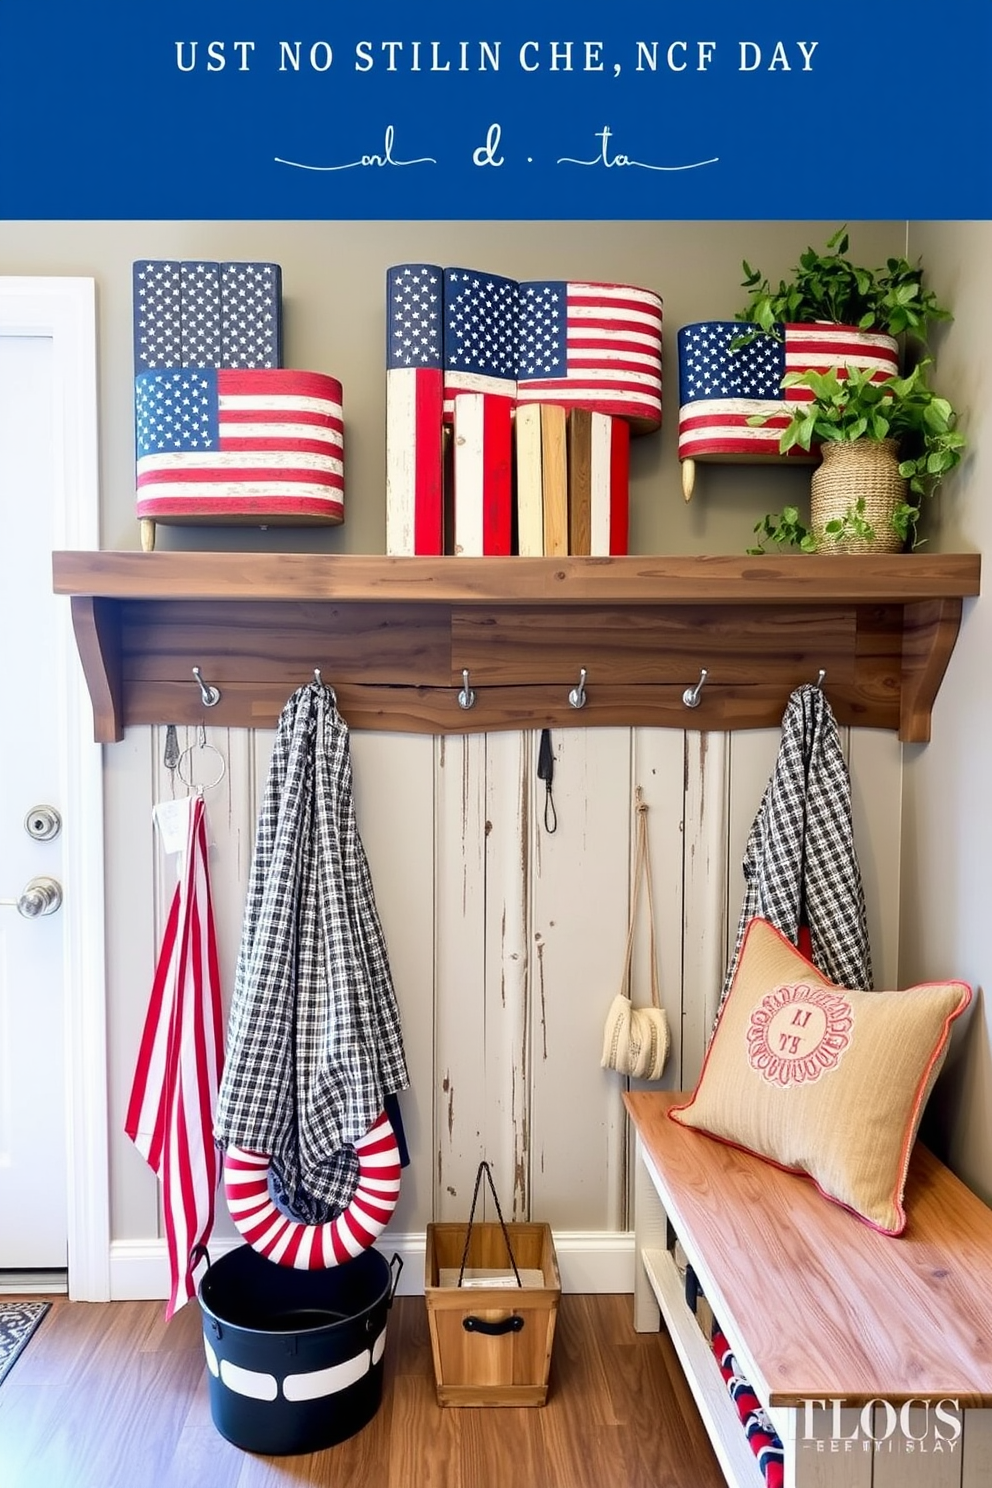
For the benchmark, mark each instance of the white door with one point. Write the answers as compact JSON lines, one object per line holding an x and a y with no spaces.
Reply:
{"x":54,"y":1210}
{"x":33,"y":1229}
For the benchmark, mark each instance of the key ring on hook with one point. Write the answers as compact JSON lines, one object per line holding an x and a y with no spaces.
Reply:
{"x":184,"y":764}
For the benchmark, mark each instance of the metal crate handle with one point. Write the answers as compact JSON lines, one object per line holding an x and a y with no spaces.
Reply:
{"x":482,"y":1325}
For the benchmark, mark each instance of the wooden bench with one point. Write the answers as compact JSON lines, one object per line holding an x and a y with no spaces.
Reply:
{"x":819,"y":1307}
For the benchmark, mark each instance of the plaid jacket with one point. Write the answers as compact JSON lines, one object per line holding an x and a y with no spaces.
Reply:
{"x":314,"y":1042}
{"x":800,"y":863}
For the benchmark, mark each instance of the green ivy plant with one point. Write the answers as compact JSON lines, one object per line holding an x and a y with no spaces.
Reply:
{"x":851,"y":406}
{"x":828,"y":286}
{"x":784,"y":529}
{"x":847,"y":405}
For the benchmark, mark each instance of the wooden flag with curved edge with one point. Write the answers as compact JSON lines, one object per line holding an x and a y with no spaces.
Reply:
{"x":174,"y":1093}
{"x":414,"y":383}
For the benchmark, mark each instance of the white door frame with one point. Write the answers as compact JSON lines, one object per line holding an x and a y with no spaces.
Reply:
{"x":64,"y":310}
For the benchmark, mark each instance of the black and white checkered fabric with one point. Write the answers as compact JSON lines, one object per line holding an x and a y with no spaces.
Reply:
{"x":800,"y":863}
{"x":314,"y":1042}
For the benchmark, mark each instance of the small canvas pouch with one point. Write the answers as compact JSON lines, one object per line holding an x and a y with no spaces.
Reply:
{"x":636,"y":1040}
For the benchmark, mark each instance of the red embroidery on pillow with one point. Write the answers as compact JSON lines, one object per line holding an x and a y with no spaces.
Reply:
{"x":797,"y":1033}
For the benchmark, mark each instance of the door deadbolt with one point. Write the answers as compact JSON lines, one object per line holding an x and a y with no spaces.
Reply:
{"x":42,"y":896}
{"x":43,"y":823}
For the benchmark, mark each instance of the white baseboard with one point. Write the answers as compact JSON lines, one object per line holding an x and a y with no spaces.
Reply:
{"x":589,"y":1261}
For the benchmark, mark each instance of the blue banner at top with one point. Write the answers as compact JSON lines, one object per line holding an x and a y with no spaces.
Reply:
{"x":235,"y":109}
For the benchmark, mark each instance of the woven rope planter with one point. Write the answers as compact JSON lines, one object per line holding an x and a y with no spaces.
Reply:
{"x":865,"y":470}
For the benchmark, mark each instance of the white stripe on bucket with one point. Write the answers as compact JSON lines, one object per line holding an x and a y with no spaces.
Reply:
{"x":319,"y":1382}
{"x":250,"y":1382}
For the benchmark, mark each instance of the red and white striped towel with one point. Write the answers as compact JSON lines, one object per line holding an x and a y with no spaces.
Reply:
{"x":170,"y":1114}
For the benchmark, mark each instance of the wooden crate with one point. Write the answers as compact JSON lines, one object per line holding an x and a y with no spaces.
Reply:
{"x":473,"y":1366}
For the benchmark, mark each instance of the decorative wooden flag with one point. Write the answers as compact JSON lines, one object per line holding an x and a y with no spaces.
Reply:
{"x":598,"y":483}
{"x":200,"y":315}
{"x":554,"y":480}
{"x":414,"y":382}
{"x":195,"y":313}
{"x":157,"y":302}
{"x":250,"y":315}
{"x":529,"y":481}
{"x":483,"y":474}
{"x":595,"y":346}
{"x":720,"y":389}
{"x":480,"y":335}
{"x":223,"y":445}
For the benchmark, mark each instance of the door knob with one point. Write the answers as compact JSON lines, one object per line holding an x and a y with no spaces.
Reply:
{"x":42,"y":896}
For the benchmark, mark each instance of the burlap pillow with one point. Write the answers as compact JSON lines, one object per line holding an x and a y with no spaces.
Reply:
{"x":823,"y":1080}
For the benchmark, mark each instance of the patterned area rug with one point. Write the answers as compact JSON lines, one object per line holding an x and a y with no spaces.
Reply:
{"x":18,"y":1320}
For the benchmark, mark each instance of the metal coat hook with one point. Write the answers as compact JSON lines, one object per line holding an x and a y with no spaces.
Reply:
{"x":319,"y":681}
{"x":577,"y":696}
{"x":466,"y":697}
{"x":691,"y":696}
{"x":209,"y":695}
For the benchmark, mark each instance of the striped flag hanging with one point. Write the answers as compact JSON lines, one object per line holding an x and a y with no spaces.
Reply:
{"x":720,"y":389}
{"x":414,"y":378}
{"x":595,"y":346}
{"x":483,"y":474}
{"x":218,"y":444}
{"x":599,"y":483}
{"x":170,"y":1113}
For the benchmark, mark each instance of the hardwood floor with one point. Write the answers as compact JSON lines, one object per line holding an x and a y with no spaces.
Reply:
{"x":110,"y":1396}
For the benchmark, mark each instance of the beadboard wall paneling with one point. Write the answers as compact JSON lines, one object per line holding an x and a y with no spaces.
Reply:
{"x":506,"y":941}
{"x":463,"y":1072}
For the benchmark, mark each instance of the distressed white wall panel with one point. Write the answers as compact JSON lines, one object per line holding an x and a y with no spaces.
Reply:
{"x":704,"y":910}
{"x":460,"y":1077}
{"x":580,"y":897}
{"x":875,"y":762}
{"x":752,"y":759}
{"x":510,"y":778}
{"x":394,"y":803}
{"x":659,"y":769}
{"x":130,"y":960}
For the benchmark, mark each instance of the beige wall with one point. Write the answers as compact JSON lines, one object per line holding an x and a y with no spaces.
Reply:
{"x":947,"y":799}
{"x":333,"y":287}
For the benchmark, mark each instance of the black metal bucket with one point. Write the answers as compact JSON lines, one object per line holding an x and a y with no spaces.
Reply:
{"x":295,"y":1358}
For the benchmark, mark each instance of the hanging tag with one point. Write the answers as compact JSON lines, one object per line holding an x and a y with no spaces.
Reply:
{"x":170,"y":757}
{"x":172,"y":820}
{"x":546,"y":772}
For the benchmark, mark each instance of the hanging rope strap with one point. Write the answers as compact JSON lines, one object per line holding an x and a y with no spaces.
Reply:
{"x":642,"y":870}
{"x":636,"y":1040}
{"x":484,"y":1168}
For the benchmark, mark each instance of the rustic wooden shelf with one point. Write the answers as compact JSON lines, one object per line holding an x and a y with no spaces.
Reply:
{"x":394,"y":635}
